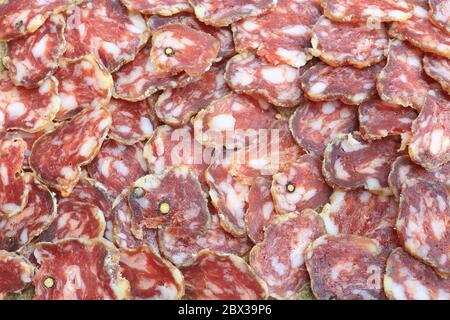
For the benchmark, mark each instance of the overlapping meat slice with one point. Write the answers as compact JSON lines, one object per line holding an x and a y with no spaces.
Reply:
{"x":439,"y":14}
{"x":279,"y":259}
{"x":438,"y":68}
{"x":57,"y":156}
{"x":16,"y":273}
{"x":161,"y":7}
{"x":32,"y":59}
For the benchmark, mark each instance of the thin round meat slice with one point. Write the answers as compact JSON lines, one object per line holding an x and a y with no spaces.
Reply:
{"x":350,"y":162}
{"x":16,"y":273}
{"x":29,"y":110}
{"x":116,"y":166}
{"x":161,"y":7}
{"x":20,"y":229}
{"x":408,"y":279}
{"x":32,"y":59}
{"x":108,"y":30}
{"x":378,"y":119}
{"x":79,"y":269}
{"x":150,"y":276}
{"x":421,"y":32}
{"x":57,"y":156}
{"x":362,"y":213}
{"x":178,"y":48}
{"x":278,"y":85}
{"x":368,"y":10}
{"x":83,"y":83}
{"x":440,"y":14}
{"x":300,"y":185}
{"x":282,"y":35}
{"x":345,"y":267}
{"x":348,"y":84}
{"x":223,"y":13}
{"x":261,"y":210}
{"x":403,"y":81}
{"x":177,"y":106}
{"x":21,"y":17}
{"x":423,"y":223}
{"x":430,"y":142}
{"x":315,"y":124}
{"x":232,"y":121}
{"x":279,"y":259}
{"x":438,"y":68}
{"x":343,"y":43}
{"x":215,"y":276}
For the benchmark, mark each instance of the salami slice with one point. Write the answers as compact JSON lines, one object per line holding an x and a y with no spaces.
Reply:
{"x":349,"y":163}
{"x":345,"y":267}
{"x":420,"y":32}
{"x":16,"y":273}
{"x":18,"y":230}
{"x":116,"y":166}
{"x":131,"y":121}
{"x":438,"y":68}
{"x":408,"y":279}
{"x":150,"y":276}
{"x":57,"y":156}
{"x":224,"y":13}
{"x":29,"y":110}
{"x":423,"y":223}
{"x":315,"y":124}
{"x":300,"y":185}
{"x":347,"y":84}
{"x":282,"y":35}
{"x":372,"y":10}
{"x":378,"y":119}
{"x":439,"y":14}
{"x":231,"y":121}
{"x":342,"y":43}
{"x":32,"y":59}
{"x":362,"y":213}
{"x":215,"y":276}
{"x":178,"y":48}
{"x":430,"y":142}
{"x":77,"y":269}
{"x":176,"y":106}
{"x":161,"y":7}
{"x":20,"y":17}
{"x":107,"y":29}
{"x":83,"y":83}
{"x":403,"y":80}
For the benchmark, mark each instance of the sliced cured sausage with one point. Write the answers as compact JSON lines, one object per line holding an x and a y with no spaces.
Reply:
{"x":439,"y":14}
{"x":16,"y":273}
{"x":438,"y":68}
{"x":161,"y":7}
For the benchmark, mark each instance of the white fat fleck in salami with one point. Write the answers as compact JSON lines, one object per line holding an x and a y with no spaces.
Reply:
{"x":279,"y":259}
{"x":107,"y":29}
{"x":300,"y":185}
{"x":223,"y":13}
{"x":420,"y":31}
{"x":315,"y":124}
{"x":430,"y":142}
{"x":20,"y":17}
{"x":161,"y":7}
{"x":29,"y":110}
{"x":215,"y":276}
{"x":423,"y":223}
{"x":438,"y":68}
{"x":282,"y":35}
{"x":16,"y":273}
{"x":79,"y":269}
{"x":348,"y":84}
{"x":368,"y":10}
{"x":343,"y":43}
{"x":32,"y":59}
{"x":440,"y":14}
{"x":176,"y":106}
{"x":150,"y":276}
{"x":408,"y":279}
{"x":57,"y":156}
{"x":403,"y":81}
{"x":345,"y":267}
{"x":350,"y":162}
{"x":362,"y":213}
{"x":178,"y":48}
